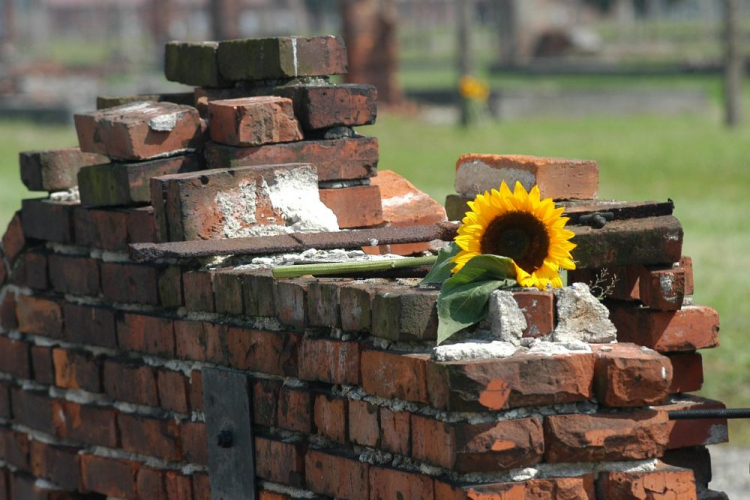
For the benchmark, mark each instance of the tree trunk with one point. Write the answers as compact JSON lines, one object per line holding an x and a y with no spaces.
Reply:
{"x":734,"y":71}
{"x":507,"y":20}
{"x":464,"y":14}
{"x":225,"y":19}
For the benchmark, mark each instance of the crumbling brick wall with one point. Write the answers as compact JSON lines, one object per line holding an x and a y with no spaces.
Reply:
{"x":102,"y":353}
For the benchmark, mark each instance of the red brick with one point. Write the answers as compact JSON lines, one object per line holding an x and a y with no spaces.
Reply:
{"x":487,"y":447}
{"x":196,"y":390}
{"x":258,"y":293}
{"x":201,"y":486}
{"x":364,"y":425}
{"x":200,"y":341}
{"x":337,"y":159}
{"x":628,"y":375}
{"x":130,"y":382}
{"x":150,"y":483}
{"x":199,"y":294}
{"x":173,"y":391}
{"x":691,"y":328}
{"x":406,"y":314}
{"x":33,"y":270}
{"x":14,"y":448}
{"x":94,"y":425}
{"x":155,"y":437}
{"x":619,"y":283}
{"x":395,"y":431}
{"x":48,"y":220}
{"x":605,"y":437}
{"x":90,"y":325}
{"x":77,"y":370}
{"x":330,"y":417}
{"x":688,"y":372}
{"x":55,"y":169}
{"x":130,"y":283}
{"x":194,"y":442}
{"x":265,"y":401}
{"x":493,"y":491}
{"x":295,"y":411}
{"x":391,"y":483}
{"x":696,"y":432}
{"x":687,"y":264}
{"x":15,"y":357}
{"x":391,"y":374}
{"x":38,"y":316}
{"x":142,"y":225}
{"x":326,"y":106}
{"x":280,"y":461}
{"x":35,"y":409}
{"x":662,"y":288}
{"x":253,"y":121}
{"x":538,"y":309}
{"x":4,"y":484}
{"x":357,"y":206}
{"x":8,"y":318}
{"x":664,"y":483}
{"x":336,"y":476}
{"x":75,"y":275}
{"x":265,"y":352}
{"x":356,"y":306}
{"x":140,"y":131}
{"x":331,"y":361}
{"x":561,"y":488}
{"x":557,"y":178}
{"x":520,"y":380}
{"x":109,"y":476}
{"x":26,"y":487}
{"x":5,"y":407}
{"x":178,"y":487}
{"x":59,"y":464}
{"x":228,"y":292}
{"x":150,"y":334}
{"x":170,"y":287}
{"x":291,"y":299}
{"x":3,"y":269}
{"x":323,"y":302}
{"x":103,"y":229}
{"x":268,"y":495}
{"x":696,"y":458}
{"x":14,"y":240}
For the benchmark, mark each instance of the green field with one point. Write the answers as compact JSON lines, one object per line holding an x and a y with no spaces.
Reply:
{"x":693,"y":160}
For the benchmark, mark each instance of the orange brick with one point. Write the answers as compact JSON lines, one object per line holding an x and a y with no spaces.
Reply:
{"x":330,"y":417}
{"x":358,"y":206}
{"x":395,"y":431}
{"x":558,"y":488}
{"x":696,"y":432}
{"x":279,"y":461}
{"x":364,"y":427}
{"x":253,"y":121}
{"x":628,"y":376}
{"x":392,"y":483}
{"x":688,"y":372}
{"x":445,"y":490}
{"x":664,"y":483}
{"x":391,"y":374}
{"x":337,"y":476}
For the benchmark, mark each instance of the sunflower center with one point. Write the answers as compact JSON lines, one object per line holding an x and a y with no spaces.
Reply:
{"x":520,"y":236}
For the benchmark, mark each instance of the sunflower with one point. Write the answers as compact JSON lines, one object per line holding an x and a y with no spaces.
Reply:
{"x":521,"y":226}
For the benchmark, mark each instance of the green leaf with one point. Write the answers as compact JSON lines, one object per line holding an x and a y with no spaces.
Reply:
{"x":441,"y":270}
{"x":464,"y":296}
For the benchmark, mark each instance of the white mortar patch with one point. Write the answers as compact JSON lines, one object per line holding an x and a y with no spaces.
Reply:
{"x":473,"y":350}
{"x":163,"y":123}
{"x":238,"y":208}
{"x":477,"y":177}
{"x":295,"y":195}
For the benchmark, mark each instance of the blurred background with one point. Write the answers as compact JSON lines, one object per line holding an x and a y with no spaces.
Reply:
{"x":653,"y":90}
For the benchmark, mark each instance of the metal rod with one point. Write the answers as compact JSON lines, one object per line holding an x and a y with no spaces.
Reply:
{"x":718,"y":413}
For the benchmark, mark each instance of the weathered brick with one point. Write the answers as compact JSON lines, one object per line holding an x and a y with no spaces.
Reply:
{"x":143,"y":333}
{"x":395,"y":431}
{"x":280,"y":461}
{"x":337,"y":476}
{"x":364,"y":425}
{"x":48,"y":220}
{"x":173,"y":391}
{"x":618,"y":283}
{"x":14,"y":448}
{"x":628,"y":375}
{"x":697,"y":459}
{"x":325,"y":106}
{"x":253,"y":121}
{"x":139,"y":131}
{"x":605,"y":437}
{"x":258,"y":293}
{"x":28,"y":487}
{"x":35,"y":409}
{"x":74,"y":275}
{"x":391,"y":374}
{"x":131,"y":382}
{"x":103,"y":229}
{"x":39,"y":316}
{"x":662,"y":288}
{"x":323,"y":302}
{"x":328,"y":360}
{"x":686,"y":263}
{"x":291,"y":298}
{"x":34,"y":267}
{"x":330,"y":417}
{"x":336,"y":159}
{"x":149,"y":483}
{"x":196,"y":390}
{"x":520,"y":380}
{"x":579,"y":487}
{"x":194,"y":442}
{"x":409,"y":314}
{"x":155,"y":437}
{"x":228,"y":292}
{"x":141,"y":225}
{"x":170,"y":287}
{"x":282,"y":57}
{"x":198,"y":288}
{"x":41,"y":363}
{"x":446,"y":490}
{"x":5,"y":401}
{"x":664,"y":482}
{"x":59,"y":464}
{"x":295,"y":412}
{"x":356,"y":306}
{"x":178,"y":487}
{"x":77,"y":370}
{"x":557,"y":178}
{"x":109,"y":476}
{"x":691,"y":328}
{"x":357,"y":206}
{"x":538,"y":308}
{"x":201,"y":486}
{"x":55,"y":169}
{"x":194,"y":64}
{"x":9,"y":316}
{"x":94,"y":425}
{"x":90,"y":325}
{"x":201,"y":341}
{"x":123,"y":184}
{"x":695,"y":432}
{"x":265,"y":401}
{"x":487,"y":447}
{"x":14,"y":240}
{"x":264,"y":352}
{"x":393,"y":483}
{"x":687,"y":372}
{"x":105,"y":102}
{"x":130,"y":283}
{"x":15,"y":357}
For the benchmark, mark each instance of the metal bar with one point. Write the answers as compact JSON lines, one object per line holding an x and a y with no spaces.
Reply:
{"x":720,"y":413}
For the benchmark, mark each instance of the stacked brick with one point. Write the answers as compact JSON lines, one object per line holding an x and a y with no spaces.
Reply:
{"x":101,"y":357}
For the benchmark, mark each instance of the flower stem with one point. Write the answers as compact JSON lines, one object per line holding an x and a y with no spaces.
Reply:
{"x":351,"y":267}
